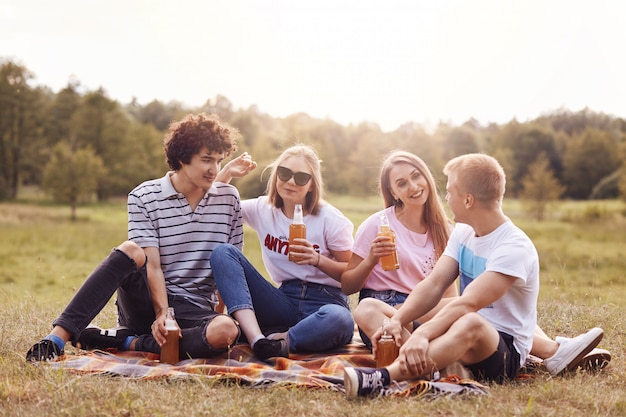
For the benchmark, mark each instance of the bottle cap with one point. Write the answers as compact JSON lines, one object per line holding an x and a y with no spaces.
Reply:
{"x":384,"y":221}
{"x":297,"y":214}
{"x":170,"y":321}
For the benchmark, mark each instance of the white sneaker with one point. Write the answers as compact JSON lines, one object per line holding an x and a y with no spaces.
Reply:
{"x":572,"y":351}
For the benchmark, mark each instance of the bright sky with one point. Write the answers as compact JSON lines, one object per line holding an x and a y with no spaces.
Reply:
{"x":387,"y":62}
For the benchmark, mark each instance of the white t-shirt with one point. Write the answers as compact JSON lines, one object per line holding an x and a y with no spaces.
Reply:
{"x":507,"y":250}
{"x":416,"y":254}
{"x":328,"y":230}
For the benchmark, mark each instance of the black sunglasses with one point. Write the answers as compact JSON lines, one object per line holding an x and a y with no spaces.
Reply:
{"x":285,"y":174}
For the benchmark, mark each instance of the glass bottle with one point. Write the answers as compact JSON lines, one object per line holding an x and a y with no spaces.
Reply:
{"x":220,"y":307}
{"x":388,"y":262}
{"x":297,"y":230}
{"x":169,"y":351}
{"x":386,"y":351}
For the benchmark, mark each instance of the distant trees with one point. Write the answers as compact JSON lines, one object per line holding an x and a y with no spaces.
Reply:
{"x":540,"y":187}
{"x":568,"y":154}
{"x":19,"y":124}
{"x":589,"y":157}
{"x":72,"y":175}
{"x":524,"y":143}
{"x":361,"y":165}
{"x":459,"y":141}
{"x":157,"y":114}
{"x":621,"y":182}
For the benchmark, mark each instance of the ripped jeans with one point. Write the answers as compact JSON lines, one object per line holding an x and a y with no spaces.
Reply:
{"x":317,"y":316}
{"x":119,"y":273}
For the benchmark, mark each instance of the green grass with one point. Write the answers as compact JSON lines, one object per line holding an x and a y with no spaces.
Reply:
{"x":44,"y":257}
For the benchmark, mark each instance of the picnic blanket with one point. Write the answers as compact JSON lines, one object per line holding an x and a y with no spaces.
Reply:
{"x":312,"y":371}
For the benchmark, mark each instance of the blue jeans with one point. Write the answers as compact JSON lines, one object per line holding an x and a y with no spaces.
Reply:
{"x":317,"y":316}
{"x":390,"y":297}
{"x":119,"y":273}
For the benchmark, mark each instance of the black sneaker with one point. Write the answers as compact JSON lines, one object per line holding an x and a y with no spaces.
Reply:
{"x":44,"y":350}
{"x":103,"y":339}
{"x":595,"y":360}
{"x":363,"y":382}
{"x":268,"y":348}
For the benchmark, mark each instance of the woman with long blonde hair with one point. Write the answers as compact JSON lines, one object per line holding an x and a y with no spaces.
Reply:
{"x":308,"y":311}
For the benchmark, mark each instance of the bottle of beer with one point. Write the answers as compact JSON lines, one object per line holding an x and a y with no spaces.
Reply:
{"x":388,"y":262}
{"x":387,"y":351}
{"x":220,"y":307}
{"x":297,"y":230}
{"x":169,"y":351}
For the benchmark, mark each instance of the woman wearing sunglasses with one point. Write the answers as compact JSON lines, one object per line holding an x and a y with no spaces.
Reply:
{"x":308,"y":312}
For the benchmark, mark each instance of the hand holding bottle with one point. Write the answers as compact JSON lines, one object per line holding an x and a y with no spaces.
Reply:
{"x":169,"y":350}
{"x":381,"y":246}
{"x":387,"y":350}
{"x":391,"y":327}
{"x":388,"y":254}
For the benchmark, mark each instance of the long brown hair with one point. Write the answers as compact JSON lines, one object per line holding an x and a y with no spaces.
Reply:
{"x":434,"y":214}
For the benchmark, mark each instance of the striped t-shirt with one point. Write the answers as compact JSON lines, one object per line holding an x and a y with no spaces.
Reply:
{"x":159,"y":216}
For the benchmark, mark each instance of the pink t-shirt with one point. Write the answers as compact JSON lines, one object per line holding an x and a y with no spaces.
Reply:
{"x":416,"y":254}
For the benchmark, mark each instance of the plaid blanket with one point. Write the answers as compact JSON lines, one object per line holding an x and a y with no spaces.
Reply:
{"x":316,"y":371}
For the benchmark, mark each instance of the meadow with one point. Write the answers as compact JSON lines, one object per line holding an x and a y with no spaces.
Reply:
{"x":44,"y":257}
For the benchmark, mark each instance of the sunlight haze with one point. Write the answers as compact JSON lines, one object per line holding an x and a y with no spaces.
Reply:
{"x":349,"y":61}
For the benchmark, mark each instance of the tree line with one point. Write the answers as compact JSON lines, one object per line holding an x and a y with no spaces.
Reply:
{"x":78,"y":144}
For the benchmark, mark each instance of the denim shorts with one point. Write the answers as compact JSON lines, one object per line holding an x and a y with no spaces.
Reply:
{"x":391,"y":297}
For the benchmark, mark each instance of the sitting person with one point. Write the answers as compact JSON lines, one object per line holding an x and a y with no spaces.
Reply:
{"x":422,"y":229}
{"x":307,"y":312}
{"x":174,"y":225}
{"x":490,"y":327}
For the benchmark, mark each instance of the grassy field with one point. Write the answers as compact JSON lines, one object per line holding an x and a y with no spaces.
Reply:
{"x":44,"y":257}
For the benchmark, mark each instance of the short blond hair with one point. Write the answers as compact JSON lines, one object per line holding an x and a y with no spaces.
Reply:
{"x":478,"y":174}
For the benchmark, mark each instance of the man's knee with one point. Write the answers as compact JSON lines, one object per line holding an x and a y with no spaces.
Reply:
{"x":222,"y":332}
{"x":134,"y":252}
{"x":471,"y":326}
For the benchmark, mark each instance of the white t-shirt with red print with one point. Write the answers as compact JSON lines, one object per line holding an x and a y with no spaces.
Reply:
{"x":326,"y":231}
